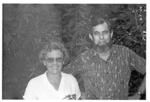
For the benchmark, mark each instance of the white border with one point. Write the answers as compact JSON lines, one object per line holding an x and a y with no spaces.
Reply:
{"x":86,"y":2}
{"x":148,"y":52}
{"x":77,"y":1}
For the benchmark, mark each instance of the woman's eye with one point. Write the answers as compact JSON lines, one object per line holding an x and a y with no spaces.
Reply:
{"x":59,"y":59}
{"x":50,"y":60}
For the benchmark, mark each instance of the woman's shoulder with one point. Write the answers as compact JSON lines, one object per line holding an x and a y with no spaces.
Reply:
{"x":37,"y":79}
{"x":67,"y":76}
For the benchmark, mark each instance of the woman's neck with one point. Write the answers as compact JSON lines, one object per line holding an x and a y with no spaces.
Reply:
{"x":54,"y":79}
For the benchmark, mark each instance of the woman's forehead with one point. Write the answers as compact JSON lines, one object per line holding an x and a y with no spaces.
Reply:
{"x":54,"y":53}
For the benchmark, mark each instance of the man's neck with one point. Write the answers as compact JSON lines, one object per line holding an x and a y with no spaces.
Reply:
{"x":104,"y":53}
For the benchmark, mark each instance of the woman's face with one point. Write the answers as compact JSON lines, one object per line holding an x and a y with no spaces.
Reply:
{"x":54,"y":61}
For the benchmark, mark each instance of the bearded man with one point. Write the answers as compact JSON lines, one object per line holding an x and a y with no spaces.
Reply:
{"x":105,"y":69}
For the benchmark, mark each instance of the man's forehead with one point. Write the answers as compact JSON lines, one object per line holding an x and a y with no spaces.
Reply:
{"x":101,"y":26}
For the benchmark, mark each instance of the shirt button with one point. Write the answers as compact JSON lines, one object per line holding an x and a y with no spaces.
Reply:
{"x":97,"y":74}
{"x":96,"y":85}
{"x":107,"y":72}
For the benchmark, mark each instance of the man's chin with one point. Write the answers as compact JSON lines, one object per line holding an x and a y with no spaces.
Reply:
{"x":102,"y":47}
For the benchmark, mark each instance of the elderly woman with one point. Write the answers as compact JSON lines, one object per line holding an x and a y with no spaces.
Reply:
{"x":53,"y":84}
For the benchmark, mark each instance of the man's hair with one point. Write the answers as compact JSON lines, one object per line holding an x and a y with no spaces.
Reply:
{"x":99,"y":20}
{"x":96,"y":21}
{"x":53,"y":45}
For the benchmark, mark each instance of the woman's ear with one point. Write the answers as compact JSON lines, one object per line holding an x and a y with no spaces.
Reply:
{"x":90,"y":36}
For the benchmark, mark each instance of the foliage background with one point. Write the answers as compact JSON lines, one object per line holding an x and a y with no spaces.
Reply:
{"x":27,"y":27}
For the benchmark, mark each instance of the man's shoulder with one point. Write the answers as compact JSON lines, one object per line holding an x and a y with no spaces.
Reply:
{"x":119,"y":47}
{"x":84,"y":56}
{"x":86,"y":53}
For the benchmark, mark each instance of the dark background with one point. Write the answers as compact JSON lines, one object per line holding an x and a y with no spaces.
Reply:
{"x":26,"y":27}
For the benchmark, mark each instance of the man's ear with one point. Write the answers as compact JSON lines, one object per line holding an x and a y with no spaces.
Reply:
{"x":90,"y":36}
{"x":44,"y":62}
{"x":111,"y":34}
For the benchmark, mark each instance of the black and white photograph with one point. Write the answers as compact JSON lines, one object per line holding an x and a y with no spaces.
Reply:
{"x":74,"y":51}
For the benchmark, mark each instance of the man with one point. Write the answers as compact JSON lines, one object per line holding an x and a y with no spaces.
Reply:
{"x":105,"y":69}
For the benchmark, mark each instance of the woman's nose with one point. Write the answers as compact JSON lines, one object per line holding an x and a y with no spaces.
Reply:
{"x":54,"y":61}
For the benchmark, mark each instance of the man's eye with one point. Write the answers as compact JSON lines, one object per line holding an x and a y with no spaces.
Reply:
{"x":105,"y":32}
{"x":96,"y":33}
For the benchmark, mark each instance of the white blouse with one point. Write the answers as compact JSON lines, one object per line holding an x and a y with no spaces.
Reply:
{"x":40,"y":88}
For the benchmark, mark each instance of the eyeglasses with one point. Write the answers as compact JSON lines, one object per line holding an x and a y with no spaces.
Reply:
{"x":51,"y":60}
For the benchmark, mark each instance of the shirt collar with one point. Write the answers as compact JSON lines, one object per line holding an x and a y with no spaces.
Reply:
{"x":112,"y":53}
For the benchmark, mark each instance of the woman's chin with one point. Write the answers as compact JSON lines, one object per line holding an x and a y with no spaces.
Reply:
{"x":55,"y":71}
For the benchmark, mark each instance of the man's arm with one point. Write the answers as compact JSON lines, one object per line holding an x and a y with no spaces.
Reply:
{"x":143,"y":86}
{"x":137,"y":62}
{"x":139,"y":65}
{"x":140,"y":91}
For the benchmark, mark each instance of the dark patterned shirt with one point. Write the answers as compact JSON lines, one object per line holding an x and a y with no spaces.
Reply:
{"x":106,"y":79}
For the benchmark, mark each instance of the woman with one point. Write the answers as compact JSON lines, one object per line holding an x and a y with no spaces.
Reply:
{"x":53,"y":84}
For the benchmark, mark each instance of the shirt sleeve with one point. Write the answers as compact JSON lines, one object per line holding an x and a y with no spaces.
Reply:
{"x":137,"y":62}
{"x":29,"y":92}
{"x":77,"y":89}
{"x":76,"y":68}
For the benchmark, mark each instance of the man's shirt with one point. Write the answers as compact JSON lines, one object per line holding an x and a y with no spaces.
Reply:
{"x":106,"y":79}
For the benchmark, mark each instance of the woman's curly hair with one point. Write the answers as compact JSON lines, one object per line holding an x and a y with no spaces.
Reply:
{"x":54,"y":45}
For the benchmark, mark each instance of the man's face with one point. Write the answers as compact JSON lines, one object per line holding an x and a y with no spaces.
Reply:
{"x":54,"y":61}
{"x":101,"y":35}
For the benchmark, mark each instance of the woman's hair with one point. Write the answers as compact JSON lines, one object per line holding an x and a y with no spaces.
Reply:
{"x":53,"y":45}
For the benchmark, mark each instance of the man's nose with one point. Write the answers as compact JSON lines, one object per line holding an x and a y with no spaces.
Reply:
{"x":101,"y":36}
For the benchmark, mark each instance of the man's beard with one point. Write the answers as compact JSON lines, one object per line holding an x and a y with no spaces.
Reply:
{"x":103,"y":48}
